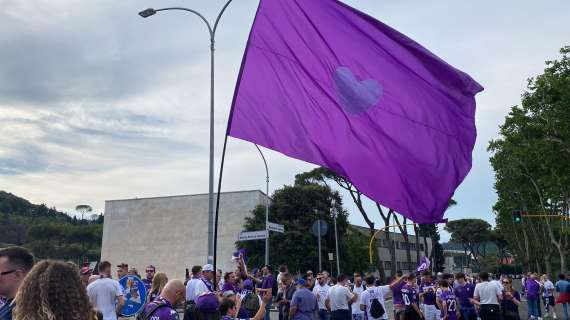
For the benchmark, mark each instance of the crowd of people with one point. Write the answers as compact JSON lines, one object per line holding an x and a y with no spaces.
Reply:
{"x":61,"y":290}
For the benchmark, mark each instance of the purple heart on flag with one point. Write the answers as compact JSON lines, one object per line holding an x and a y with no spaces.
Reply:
{"x":356,"y":96}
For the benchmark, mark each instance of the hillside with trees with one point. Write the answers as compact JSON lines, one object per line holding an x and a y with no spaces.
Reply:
{"x":47,"y":232}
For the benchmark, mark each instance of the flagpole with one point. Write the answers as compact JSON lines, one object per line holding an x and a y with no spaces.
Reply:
{"x":212,"y":225}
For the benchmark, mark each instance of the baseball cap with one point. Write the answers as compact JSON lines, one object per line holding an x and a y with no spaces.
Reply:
{"x":208,"y":267}
{"x":301,"y":282}
{"x":85,"y":270}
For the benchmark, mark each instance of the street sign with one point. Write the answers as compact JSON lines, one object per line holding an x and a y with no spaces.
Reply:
{"x":276,"y":227}
{"x":134,"y":293}
{"x":315,"y":230}
{"x":252,"y":235}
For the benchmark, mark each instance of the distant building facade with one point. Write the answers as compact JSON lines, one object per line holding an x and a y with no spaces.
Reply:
{"x":383,"y":252}
{"x":171,"y":233}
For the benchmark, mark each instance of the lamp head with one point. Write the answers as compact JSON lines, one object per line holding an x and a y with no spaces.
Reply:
{"x":147,"y":13}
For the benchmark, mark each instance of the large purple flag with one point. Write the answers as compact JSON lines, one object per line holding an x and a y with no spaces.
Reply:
{"x":325,"y":83}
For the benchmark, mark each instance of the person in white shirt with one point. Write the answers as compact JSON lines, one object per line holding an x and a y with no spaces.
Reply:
{"x":282,"y":270}
{"x":104,"y":292}
{"x":339,"y":299}
{"x":372,"y":292}
{"x":190,"y":288}
{"x":488,"y":296}
{"x":359,"y":287}
{"x":548,"y":295}
{"x":321,"y":291}
{"x":204,"y":284}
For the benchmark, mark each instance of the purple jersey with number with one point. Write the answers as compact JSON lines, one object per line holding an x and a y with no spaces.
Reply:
{"x":397,"y":293}
{"x":448,"y":297}
{"x":162,"y":313}
{"x":464,"y":293}
{"x":428,"y":291}
{"x":409,"y":295}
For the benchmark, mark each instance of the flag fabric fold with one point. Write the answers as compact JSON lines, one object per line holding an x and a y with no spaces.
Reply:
{"x":327,"y":84}
{"x":423,"y":264}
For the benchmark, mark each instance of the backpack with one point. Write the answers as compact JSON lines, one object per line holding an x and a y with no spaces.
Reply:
{"x":251,"y":303}
{"x":376,"y":309}
{"x":145,"y":316}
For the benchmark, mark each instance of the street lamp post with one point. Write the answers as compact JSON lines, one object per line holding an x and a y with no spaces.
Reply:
{"x":335,"y":214}
{"x":212,"y":31}
{"x":266,"y":204}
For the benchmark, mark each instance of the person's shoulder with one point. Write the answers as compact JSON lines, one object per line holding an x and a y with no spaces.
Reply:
{"x":165,"y":313}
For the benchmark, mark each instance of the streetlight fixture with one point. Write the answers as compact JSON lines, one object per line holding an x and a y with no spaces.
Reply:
{"x":266,"y":205}
{"x":212,"y":31}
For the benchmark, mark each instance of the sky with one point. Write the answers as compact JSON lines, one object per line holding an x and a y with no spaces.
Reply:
{"x":97,"y":103}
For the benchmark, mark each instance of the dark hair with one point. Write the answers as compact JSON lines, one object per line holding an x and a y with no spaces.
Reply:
{"x":104,"y":265}
{"x":357,"y":274}
{"x":227,"y":276}
{"x":484,"y":276}
{"x":283,"y":268}
{"x":399,"y":273}
{"x":226,"y":305}
{"x":18,"y":257}
{"x":460,"y":275}
{"x":410,"y":276}
{"x":370,"y":280}
{"x":268,"y":267}
{"x":196,"y":269}
{"x":443,"y":283}
{"x":341,"y":278}
{"x":562,"y":276}
{"x":426,"y":273}
{"x":286,"y":275}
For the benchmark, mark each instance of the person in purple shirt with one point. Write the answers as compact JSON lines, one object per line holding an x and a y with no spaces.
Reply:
{"x":410,"y":298}
{"x":267,"y":286}
{"x":399,"y":306}
{"x":229,"y":283}
{"x":447,"y":301}
{"x":511,"y":300}
{"x":532,"y":288}
{"x":150,"y":270}
{"x":162,"y":308}
{"x":464,"y":294}
{"x":427,"y":294}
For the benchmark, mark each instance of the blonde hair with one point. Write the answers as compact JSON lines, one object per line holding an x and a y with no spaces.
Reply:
{"x":158,"y":282}
{"x":53,"y":290}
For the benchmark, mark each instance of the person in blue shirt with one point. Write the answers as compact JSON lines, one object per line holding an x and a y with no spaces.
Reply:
{"x":563,"y":288}
{"x":303,"y":303}
{"x":15,"y":263}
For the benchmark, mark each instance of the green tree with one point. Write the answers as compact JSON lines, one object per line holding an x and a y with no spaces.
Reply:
{"x":531,"y":168}
{"x":324,"y":176}
{"x":473,"y":235}
{"x":297,"y":207}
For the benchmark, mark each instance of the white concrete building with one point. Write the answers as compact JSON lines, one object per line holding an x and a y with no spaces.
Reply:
{"x":171,"y":233}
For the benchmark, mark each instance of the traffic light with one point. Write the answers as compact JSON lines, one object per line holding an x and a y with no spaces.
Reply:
{"x":517,"y":216}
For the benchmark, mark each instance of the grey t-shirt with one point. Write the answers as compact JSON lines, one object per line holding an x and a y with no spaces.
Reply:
{"x":305,"y":302}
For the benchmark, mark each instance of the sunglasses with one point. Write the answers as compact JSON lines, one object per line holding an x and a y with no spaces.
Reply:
{"x":319,"y":278}
{"x":150,"y":270}
{"x":506,"y":282}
